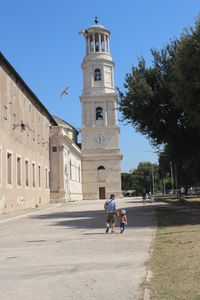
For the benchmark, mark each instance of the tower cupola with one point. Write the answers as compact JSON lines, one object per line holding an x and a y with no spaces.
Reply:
{"x":98,"y":65}
{"x":97,"y":38}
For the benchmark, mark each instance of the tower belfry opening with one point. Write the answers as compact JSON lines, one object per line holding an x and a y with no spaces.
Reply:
{"x":100,"y":131}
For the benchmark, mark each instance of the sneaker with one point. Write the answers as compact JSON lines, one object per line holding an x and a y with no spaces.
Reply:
{"x":112,"y":231}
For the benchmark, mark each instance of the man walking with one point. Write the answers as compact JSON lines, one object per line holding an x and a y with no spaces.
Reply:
{"x":111,"y":211}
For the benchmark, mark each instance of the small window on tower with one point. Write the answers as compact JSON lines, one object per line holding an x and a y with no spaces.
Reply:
{"x":97,"y":75}
{"x":54,"y":149}
{"x":101,"y":168}
{"x":99,"y":113}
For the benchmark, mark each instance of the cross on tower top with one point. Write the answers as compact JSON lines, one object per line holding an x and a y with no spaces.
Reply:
{"x":96,"y":20}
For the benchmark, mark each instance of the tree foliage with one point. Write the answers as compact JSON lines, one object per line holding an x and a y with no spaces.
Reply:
{"x":163,"y":102}
{"x":187,"y":74}
{"x":140,"y":179}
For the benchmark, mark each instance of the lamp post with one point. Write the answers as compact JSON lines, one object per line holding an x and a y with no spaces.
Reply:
{"x":176,"y":181}
{"x":153,"y":180}
{"x":172,"y":177}
{"x":164,"y":190}
{"x":152,"y":170}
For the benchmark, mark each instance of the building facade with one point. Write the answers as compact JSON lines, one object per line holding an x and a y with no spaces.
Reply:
{"x":100,"y":132}
{"x":65,"y":163}
{"x":24,"y":143}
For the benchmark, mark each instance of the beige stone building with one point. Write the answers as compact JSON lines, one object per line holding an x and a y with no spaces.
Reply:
{"x":31,"y":143}
{"x":24,"y":143}
{"x":65,"y":163}
{"x":40,"y":159}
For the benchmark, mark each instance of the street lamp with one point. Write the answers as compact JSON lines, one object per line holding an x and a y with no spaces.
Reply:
{"x":152,"y":170}
{"x":153,"y":179}
{"x":172,"y":177}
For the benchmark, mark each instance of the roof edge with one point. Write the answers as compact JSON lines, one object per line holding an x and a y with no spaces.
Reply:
{"x":23,"y":83}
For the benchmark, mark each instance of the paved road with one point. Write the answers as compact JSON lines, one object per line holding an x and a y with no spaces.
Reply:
{"x":61,"y":252}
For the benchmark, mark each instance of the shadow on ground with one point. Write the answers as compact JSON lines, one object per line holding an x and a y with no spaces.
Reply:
{"x":138,"y":217}
{"x":177,"y":215}
{"x":171,"y":214}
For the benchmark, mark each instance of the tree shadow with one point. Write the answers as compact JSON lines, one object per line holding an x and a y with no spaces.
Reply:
{"x":177,"y":215}
{"x":169,"y":214}
{"x":138,"y":217}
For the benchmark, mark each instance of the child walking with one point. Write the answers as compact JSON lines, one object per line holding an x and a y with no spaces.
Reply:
{"x":123,"y":220}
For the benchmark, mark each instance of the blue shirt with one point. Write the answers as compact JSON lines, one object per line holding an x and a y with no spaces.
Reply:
{"x":110,"y":205}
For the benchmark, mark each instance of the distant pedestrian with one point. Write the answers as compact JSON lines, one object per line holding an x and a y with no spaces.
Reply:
{"x":123,"y":220}
{"x":183,"y":190}
{"x":144,"y":197}
{"x":110,"y":207}
{"x":182,"y":194}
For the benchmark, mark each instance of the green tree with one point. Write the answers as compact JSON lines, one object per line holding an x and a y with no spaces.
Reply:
{"x":162,"y":102}
{"x":186,"y":88}
{"x":142,"y":177}
{"x":127,"y":181}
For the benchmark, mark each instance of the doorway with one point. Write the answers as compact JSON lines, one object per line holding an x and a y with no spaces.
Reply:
{"x":102,"y":192}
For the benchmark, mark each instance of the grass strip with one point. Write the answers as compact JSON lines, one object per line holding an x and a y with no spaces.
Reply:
{"x":176,"y":255}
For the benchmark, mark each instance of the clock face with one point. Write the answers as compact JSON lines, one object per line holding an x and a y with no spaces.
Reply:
{"x":100,"y":138}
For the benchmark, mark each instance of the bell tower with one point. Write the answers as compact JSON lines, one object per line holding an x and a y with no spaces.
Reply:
{"x":101,"y":157}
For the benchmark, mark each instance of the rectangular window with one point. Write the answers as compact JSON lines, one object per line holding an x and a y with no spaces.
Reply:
{"x":75,"y":172}
{"x":9,"y":168}
{"x":79,"y":174}
{"x":39,"y":176}
{"x":33,"y":174}
{"x":19,"y":170}
{"x":26,"y":172}
{"x":70,"y":169}
{"x":54,"y":149}
{"x":5,"y":112}
{"x":46,"y":178}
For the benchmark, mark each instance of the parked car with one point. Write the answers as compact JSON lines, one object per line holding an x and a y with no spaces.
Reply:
{"x":172,"y":191}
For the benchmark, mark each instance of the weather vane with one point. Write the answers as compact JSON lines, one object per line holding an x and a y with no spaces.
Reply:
{"x":96,"y":20}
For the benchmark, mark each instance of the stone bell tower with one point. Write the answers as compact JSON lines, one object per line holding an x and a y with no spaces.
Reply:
{"x":100,"y":132}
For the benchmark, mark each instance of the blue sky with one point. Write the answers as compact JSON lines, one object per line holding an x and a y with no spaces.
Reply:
{"x":40,"y":39}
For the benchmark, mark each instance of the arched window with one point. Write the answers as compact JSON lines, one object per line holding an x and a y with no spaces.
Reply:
{"x":97,"y":75}
{"x":101,"y":173}
{"x":101,"y":168}
{"x":99,"y":113}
